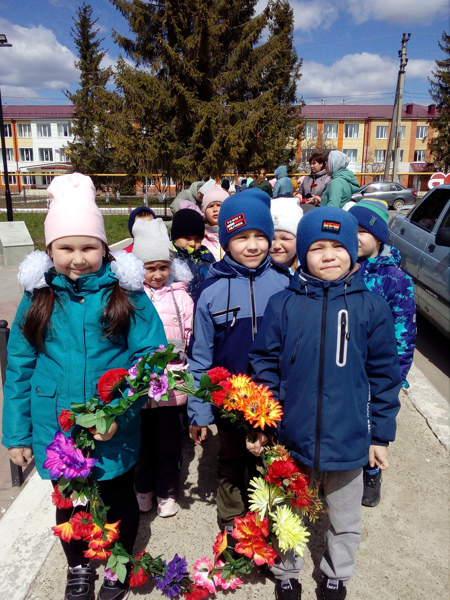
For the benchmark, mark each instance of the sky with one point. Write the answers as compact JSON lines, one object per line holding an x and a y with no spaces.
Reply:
{"x":349,"y":48}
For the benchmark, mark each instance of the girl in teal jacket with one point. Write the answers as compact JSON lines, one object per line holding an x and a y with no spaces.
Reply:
{"x":79,"y":318}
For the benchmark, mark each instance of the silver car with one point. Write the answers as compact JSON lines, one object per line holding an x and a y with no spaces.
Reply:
{"x":423,"y":238}
{"x":394,"y":194}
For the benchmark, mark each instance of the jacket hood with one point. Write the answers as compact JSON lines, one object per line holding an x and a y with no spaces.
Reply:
{"x":280,"y":172}
{"x":349,"y":177}
{"x":304,"y":283}
{"x":194,"y":187}
{"x":337,"y":160}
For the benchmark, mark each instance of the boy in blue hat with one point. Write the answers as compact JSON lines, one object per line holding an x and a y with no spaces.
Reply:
{"x":326,"y":349}
{"x":229,"y":310}
{"x":380,"y":269}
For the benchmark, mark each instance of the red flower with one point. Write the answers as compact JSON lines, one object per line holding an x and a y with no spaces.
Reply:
{"x":59,"y":500}
{"x":218,"y":374}
{"x":280,"y":470}
{"x":109,"y":382}
{"x":98,"y":554}
{"x":82,"y":525}
{"x":313,"y":185}
{"x":220,"y":395}
{"x":66,"y":419}
{"x":196,"y":593}
{"x":138,"y":578}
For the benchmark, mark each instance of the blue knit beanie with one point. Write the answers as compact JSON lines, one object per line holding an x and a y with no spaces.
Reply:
{"x":327,"y":223}
{"x":372,"y":215}
{"x":248,"y":210}
{"x":134,"y":213}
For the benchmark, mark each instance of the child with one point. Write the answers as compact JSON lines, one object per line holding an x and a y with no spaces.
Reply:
{"x":211,"y":204}
{"x":166,"y":281}
{"x":283,"y":185}
{"x":380,"y":269}
{"x":141,"y":212}
{"x":75,"y":322}
{"x":286,"y":215}
{"x":228,"y":312}
{"x":326,"y":349}
{"x":187,"y":233}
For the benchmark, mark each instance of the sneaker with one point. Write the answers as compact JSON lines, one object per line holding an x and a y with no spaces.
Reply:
{"x":333,"y":589}
{"x":80,"y":583}
{"x":167,"y":507}
{"x":372,"y":487}
{"x":114,"y":590}
{"x":144,"y":501}
{"x":288,"y":589}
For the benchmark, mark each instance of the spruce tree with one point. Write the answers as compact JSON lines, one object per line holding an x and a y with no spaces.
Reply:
{"x":440,"y":92}
{"x":212,"y":87}
{"x":89,"y":152}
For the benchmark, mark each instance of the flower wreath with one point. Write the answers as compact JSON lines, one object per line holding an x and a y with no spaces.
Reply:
{"x":276,"y":496}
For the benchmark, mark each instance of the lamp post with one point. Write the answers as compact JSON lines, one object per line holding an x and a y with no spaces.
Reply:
{"x":9,"y":212}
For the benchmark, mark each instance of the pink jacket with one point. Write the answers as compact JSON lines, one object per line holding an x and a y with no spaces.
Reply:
{"x":211,"y":241}
{"x":164,"y":299}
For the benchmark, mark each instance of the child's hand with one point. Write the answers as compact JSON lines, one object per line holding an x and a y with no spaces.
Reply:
{"x":378,"y":456}
{"x":198,"y":433}
{"x":257,"y":446}
{"x":104,"y":437}
{"x":21,"y":456}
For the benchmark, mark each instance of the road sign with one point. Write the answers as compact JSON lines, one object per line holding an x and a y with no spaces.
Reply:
{"x":438,"y":179}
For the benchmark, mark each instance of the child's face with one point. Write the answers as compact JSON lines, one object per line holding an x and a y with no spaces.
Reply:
{"x":156,"y":273}
{"x":284,"y":248}
{"x":212,"y":212}
{"x":327,"y":260}
{"x":368,"y":245}
{"x":249,"y":248}
{"x":77,"y":255}
{"x":189,"y":241}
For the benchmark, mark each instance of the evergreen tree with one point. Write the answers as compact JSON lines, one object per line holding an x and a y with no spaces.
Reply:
{"x":440,"y":92}
{"x":89,"y":152}
{"x":206,"y":93}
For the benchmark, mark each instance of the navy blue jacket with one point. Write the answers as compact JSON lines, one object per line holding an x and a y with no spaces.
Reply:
{"x":229,"y":310}
{"x":327,"y":351}
{"x":198,"y":261}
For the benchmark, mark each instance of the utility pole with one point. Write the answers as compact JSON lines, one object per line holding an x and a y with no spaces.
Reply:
{"x":396,"y":129}
{"x":9,"y":210}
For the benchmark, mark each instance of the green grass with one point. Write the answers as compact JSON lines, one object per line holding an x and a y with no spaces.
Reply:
{"x":116,"y":227}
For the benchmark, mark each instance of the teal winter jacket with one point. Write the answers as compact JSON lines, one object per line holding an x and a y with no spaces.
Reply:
{"x":40,"y":384}
{"x":340,"y":190}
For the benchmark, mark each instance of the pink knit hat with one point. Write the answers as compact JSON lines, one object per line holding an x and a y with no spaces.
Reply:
{"x":215,"y":194}
{"x":73,"y":210}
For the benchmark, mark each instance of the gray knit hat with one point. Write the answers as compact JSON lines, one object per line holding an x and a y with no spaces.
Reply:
{"x":151,"y":241}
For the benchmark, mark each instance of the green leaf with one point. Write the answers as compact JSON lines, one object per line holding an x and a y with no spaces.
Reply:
{"x":112,"y":561}
{"x":123,"y":559}
{"x":86,"y":420}
{"x":205,"y":381}
{"x":100,"y":424}
{"x":78,"y":407}
{"x":121,"y":571}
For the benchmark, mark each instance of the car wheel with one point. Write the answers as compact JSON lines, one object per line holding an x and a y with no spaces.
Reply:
{"x":398,"y":203}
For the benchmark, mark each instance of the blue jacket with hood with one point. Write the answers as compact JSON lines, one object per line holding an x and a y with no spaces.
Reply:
{"x":229,"y":310}
{"x":327,"y":351}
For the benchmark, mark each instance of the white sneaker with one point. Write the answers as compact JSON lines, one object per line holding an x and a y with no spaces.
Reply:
{"x":144,"y":501}
{"x":167,"y":507}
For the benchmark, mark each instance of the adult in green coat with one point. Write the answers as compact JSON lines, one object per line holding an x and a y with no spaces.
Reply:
{"x":343,"y":181}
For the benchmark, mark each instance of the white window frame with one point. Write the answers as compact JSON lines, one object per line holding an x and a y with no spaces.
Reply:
{"x":10,"y":154}
{"x":379,"y":156}
{"x":28,"y":180}
{"x":421,"y":129}
{"x":24,"y":130}
{"x":310,"y":131}
{"x":47,"y":179}
{"x":351,"y":130}
{"x":381,"y":132}
{"x":26,"y":154}
{"x":44,"y":130}
{"x":403,"y":131}
{"x":65,"y":129}
{"x":44,"y":152}
{"x":7,"y":128}
{"x":11,"y":179}
{"x":306,"y":154}
{"x":352,"y":150}
{"x":332,"y":133}
{"x":423,"y":153}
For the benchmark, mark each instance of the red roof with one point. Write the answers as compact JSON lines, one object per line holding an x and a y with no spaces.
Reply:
{"x":38,"y":112}
{"x":364,"y":111}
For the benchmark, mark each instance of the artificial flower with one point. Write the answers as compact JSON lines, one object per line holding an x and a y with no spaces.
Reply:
{"x":218,"y":374}
{"x":220,"y":544}
{"x":196,"y":593}
{"x":64,"y":531}
{"x":219,"y":396}
{"x":98,"y":554}
{"x":82,"y":525}
{"x":200,"y":573}
{"x":159,"y":385}
{"x":138,"y":577}
{"x":288,"y":528}
{"x":280,"y":470}
{"x":174,"y":571}
{"x":133,"y":371}
{"x":66,"y":419}
{"x":264,"y":496}
{"x":59,"y":500}
{"x":110,"y":575}
{"x":226,"y":584}
{"x":250,"y":526}
{"x":63,"y":459}
{"x":109,"y":383}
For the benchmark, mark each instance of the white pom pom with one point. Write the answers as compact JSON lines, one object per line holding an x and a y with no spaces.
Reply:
{"x":32,"y":270}
{"x":129,"y":271}
{"x":179,"y":271}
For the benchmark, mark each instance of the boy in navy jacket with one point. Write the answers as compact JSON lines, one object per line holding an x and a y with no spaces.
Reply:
{"x":326,"y":349}
{"x":229,"y":310}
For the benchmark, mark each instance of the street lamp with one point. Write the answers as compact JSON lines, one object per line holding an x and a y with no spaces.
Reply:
{"x":9,"y":212}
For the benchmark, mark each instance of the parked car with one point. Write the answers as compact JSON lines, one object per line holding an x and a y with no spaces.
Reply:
{"x":394,"y":194}
{"x":423,"y":238}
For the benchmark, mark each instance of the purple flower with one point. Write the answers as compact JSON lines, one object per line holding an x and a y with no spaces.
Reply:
{"x":133,"y":371}
{"x":63,"y":459}
{"x":110,"y":576}
{"x":159,"y":384}
{"x":131,"y":391}
{"x":172,"y":575}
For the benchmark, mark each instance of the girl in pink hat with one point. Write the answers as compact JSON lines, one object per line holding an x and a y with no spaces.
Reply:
{"x":84,"y":312}
{"x":211,"y":204}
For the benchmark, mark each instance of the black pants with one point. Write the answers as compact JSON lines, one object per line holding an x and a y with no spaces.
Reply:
{"x":119,"y":495}
{"x":158,"y":467}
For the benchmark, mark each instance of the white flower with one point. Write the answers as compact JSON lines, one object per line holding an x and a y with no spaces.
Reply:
{"x":32,"y":270}
{"x":265,"y":496}
{"x":129,"y":271}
